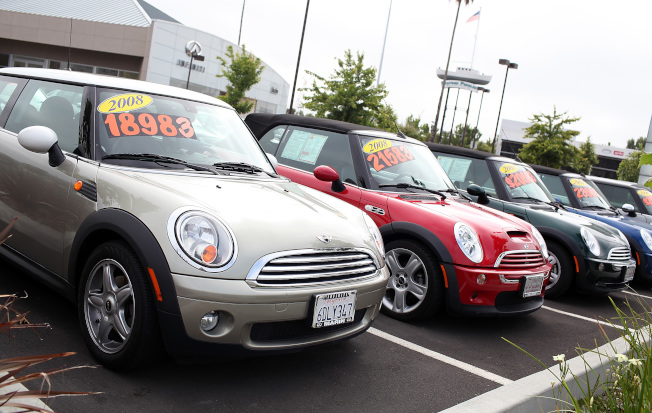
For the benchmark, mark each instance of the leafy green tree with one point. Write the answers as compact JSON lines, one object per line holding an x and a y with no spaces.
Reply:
{"x":636,"y":144}
{"x":630,"y":167}
{"x":385,"y":119}
{"x":350,"y":94}
{"x":415,"y":129}
{"x":585,"y":158}
{"x":484,"y":146}
{"x":551,"y":145}
{"x":243,"y":72}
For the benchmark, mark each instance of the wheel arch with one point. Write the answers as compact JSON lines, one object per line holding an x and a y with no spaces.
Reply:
{"x":555,"y":235}
{"x":409,"y":230}
{"x":115,"y":224}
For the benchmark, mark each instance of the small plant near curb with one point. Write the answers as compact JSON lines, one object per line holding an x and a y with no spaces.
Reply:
{"x":627,"y":386}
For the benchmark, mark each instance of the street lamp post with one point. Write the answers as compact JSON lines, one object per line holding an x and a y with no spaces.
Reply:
{"x":193,"y":49}
{"x":510,"y":65}
{"x":296,"y":73}
{"x":477,"y":122}
{"x":466,"y":119}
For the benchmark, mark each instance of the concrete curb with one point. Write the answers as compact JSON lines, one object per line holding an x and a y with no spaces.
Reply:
{"x":534,"y":393}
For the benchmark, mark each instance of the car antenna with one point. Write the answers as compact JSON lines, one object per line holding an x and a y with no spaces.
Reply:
{"x":398,"y":132}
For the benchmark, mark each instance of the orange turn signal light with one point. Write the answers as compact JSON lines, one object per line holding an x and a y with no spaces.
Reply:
{"x":209,"y":254}
{"x":78,"y":185}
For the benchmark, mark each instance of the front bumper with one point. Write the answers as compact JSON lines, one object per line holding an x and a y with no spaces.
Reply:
{"x":268,"y":318}
{"x":501,"y":293}
{"x":604,"y":276}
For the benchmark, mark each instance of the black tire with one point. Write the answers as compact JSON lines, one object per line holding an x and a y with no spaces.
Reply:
{"x":562,"y":273}
{"x":415,"y":289}
{"x":116,"y":309}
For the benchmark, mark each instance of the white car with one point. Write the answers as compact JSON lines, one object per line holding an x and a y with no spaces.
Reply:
{"x":156,"y":211}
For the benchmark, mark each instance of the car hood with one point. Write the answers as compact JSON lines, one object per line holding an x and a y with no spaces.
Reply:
{"x":266,"y":215}
{"x":498,"y":232}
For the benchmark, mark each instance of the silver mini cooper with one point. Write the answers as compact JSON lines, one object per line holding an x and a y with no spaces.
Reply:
{"x":155,"y":210}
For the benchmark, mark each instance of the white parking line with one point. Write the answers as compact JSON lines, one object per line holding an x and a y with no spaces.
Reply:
{"x":637,"y":294}
{"x":438,"y":356}
{"x":593,"y":320}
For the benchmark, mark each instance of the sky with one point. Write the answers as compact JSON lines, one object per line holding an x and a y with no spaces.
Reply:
{"x":589,"y":58}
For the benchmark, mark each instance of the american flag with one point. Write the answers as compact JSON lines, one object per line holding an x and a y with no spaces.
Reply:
{"x":474,"y":17}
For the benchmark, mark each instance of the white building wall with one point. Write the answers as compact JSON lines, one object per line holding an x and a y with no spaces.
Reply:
{"x":168,"y":46}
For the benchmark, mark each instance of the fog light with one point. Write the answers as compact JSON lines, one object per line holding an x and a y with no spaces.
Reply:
{"x":601,"y":267}
{"x":209,"y":321}
{"x":481,"y":279}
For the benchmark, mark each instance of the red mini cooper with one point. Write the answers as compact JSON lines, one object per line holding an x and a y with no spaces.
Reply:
{"x":440,"y":247}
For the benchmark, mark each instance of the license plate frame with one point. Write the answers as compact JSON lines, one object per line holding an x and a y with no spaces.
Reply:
{"x":334,"y":308}
{"x":532,"y":285}
{"x":629,"y":273}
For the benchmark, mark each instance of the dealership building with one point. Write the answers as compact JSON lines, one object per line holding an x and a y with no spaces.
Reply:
{"x":512,"y":138}
{"x":124,"y":38}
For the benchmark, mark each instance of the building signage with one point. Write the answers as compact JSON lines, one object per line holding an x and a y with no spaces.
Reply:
{"x":458,"y":84}
{"x":195,"y":67}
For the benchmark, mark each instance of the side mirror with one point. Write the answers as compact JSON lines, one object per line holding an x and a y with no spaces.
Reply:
{"x":41,"y":139}
{"x":629,"y":209}
{"x":328,"y":174}
{"x":272,"y":159}
{"x":477,"y":190}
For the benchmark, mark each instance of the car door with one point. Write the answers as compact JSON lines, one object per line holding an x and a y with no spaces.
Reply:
{"x":31,"y":189}
{"x":300,"y":150}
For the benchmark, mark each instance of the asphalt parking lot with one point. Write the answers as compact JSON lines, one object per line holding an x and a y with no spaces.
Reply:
{"x":426,"y":366}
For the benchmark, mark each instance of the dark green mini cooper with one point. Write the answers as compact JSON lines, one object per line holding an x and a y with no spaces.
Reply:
{"x":586,"y":253}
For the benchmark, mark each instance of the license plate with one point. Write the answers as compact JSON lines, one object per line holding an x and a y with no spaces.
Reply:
{"x":629,"y":274}
{"x":333,"y":308}
{"x":533,"y":285}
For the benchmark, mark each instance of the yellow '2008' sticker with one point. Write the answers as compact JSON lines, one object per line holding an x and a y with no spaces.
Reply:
{"x":508,"y":168}
{"x":124,"y":103}
{"x":644,"y":192}
{"x":377,"y":145}
{"x":577,"y":182}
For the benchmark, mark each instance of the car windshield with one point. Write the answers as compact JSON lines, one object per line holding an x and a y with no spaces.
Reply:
{"x":521,"y":182}
{"x":587,"y":194}
{"x":646,"y":197}
{"x":395,"y":162}
{"x":192,"y":132}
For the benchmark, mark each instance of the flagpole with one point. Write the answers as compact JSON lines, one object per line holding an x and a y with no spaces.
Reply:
{"x":476,"y":36}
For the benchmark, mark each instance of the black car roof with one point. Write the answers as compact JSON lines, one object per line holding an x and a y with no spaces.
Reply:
{"x":470,"y":153}
{"x":554,"y":171}
{"x":615,"y":182}
{"x":259,"y":123}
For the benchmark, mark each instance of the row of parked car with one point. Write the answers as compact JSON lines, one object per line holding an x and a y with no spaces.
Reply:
{"x":155,"y":210}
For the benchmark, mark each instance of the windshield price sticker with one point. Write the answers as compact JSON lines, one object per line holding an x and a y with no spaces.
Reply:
{"x":646,"y":196}
{"x":508,"y":168}
{"x":533,"y":285}
{"x":586,"y":192}
{"x":148,"y":124}
{"x":334,"y":309}
{"x":389,"y":157}
{"x":124,"y":103}
{"x":377,"y":145}
{"x":578,"y":182}
{"x":518,"y":179}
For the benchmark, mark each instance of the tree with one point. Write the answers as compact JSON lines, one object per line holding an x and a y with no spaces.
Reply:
{"x":415,"y":129}
{"x":636,"y":144}
{"x":630,"y":167}
{"x":350,"y":94}
{"x":242,"y":73}
{"x":585,"y":158}
{"x":551,"y":145}
{"x":385,"y":119}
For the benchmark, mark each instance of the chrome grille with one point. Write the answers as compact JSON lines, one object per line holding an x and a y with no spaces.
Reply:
{"x":620,"y":254}
{"x":520,"y":259}
{"x":308,"y":267}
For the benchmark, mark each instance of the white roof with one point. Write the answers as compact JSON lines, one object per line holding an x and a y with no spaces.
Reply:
{"x":125,"y":12}
{"x":111,"y":82}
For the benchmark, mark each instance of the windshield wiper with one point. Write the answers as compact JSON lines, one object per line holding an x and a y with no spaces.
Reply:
{"x":404,"y":185}
{"x":158,"y":158}
{"x":528,"y":197}
{"x":242,"y":167}
{"x":596,"y":207}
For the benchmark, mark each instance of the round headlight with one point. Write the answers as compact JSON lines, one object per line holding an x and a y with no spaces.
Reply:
{"x":204,"y":239}
{"x":590,"y":241}
{"x":647,"y":238}
{"x":469,"y":242}
{"x":375,"y":234}
{"x":541,"y":241}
